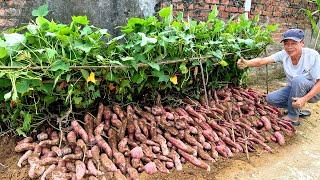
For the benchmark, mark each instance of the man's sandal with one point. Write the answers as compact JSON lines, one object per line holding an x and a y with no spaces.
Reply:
{"x":295,"y":123}
{"x":304,"y":113}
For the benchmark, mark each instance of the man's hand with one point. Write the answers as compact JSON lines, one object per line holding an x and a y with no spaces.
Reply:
{"x":298,"y":102}
{"x":242,"y":63}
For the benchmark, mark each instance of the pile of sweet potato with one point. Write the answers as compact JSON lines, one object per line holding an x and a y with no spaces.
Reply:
{"x":121,"y":142}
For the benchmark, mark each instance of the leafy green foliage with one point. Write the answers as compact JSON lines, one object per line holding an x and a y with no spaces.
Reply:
{"x":41,"y":11}
{"x":313,"y":17}
{"x":66,"y":57}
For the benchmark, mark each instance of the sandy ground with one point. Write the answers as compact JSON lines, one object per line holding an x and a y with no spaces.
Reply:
{"x":298,"y":159}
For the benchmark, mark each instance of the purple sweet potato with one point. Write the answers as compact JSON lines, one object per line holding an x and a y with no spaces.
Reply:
{"x":150,"y":168}
{"x":279,"y":137}
{"x":195,"y":161}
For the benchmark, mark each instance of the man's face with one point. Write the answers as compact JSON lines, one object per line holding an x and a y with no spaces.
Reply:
{"x":293,"y":48}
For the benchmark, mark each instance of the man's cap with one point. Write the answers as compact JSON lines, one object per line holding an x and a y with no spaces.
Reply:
{"x":293,"y":34}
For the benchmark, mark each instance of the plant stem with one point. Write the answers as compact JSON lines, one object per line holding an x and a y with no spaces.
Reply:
{"x":204,"y":85}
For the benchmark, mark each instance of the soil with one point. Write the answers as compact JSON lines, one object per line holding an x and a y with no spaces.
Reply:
{"x":9,"y":159}
{"x":298,"y":159}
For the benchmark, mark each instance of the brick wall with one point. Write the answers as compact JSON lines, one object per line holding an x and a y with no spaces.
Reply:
{"x":286,"y":13}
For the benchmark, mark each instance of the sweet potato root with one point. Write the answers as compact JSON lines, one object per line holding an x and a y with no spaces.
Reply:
{"x":88,"y":126}
{"x":115,"y":121}
{"x":223,"y":150}
{"x":80,"y":131}
{"x":265,"y":146}
{"x":118,"y":110}
{"x":80,"y":169}
{"x":24,"y":147}
{"x":49,"y":160}
{"x":149,"y":139}
{"x":204,"y":155}
{"x":123,"y":129}
{"x":36,"y":171}
{"x":104,"y":145}
{"x":163,"y":144}
{"x":190,"y":139}
{"x":192,"y":112}
{"x":180,"y":145}
{"x":123,"y":145}
{"x":157,"y":110}
{"x":107,"y":163}
{"x":24,"y":157}
{"x":156,"y":149}
{"x":57,"y":150}
{"x":26,"y":140}
{"x":72,"y":137}
{"x":42,"y":136}
{"x":98,"y":131}
{"x":279,"y":137}
{"x":152,"y":143}
{"x":78,"y":154}
{"x":118,"y":175}
{"x":143,"y":126}
{"x":169,"y":165}
{"x":120,"y":161}
{"x":113,"y":139}
{"x":133,"y":173}
{"x":194,"y":160}
{"x":150,"y":168}
{"x":136,"y":153}
{"x":107,"y":118}
{"x":160,"y":166}
{"x":62,"y":175}
{"x":92,"y":169}
{"x":136,"y":163}
{"x":147,"y":151}
{"x":98,"y":119}
{"x":48,"y":171}
{"x":51,"y":142}
{"x":71,"y":166}
{"x":266,"y":122}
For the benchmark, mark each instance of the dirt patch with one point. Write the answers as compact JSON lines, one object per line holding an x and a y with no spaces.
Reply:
{"x":298,"y":159}
{"x":9,"y":159}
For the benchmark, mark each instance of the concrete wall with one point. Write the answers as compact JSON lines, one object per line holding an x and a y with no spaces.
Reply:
{"x":103,"y":13}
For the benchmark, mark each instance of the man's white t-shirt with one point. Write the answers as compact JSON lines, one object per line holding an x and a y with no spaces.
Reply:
{"x":308,"y":65}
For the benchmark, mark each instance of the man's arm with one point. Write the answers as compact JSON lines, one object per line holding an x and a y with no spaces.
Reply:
{"x":313,"y":92}
{"x":300,"y":102}
{"x":315,"y":73}
{"x":256,"y":62}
